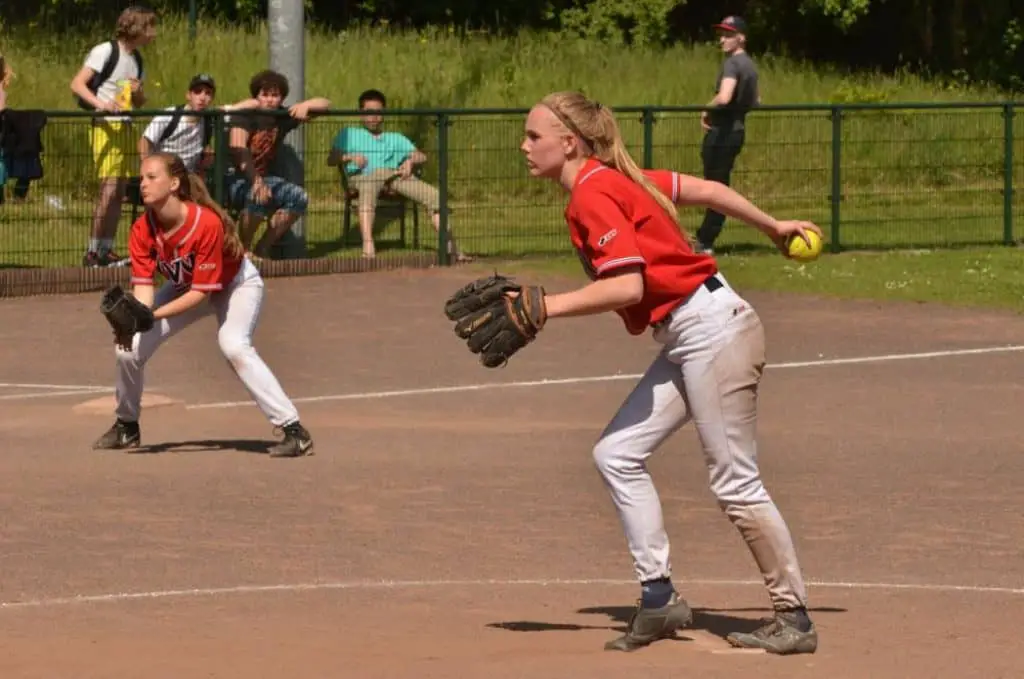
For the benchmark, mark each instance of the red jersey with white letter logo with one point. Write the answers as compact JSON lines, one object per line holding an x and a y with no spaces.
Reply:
{"x":613,"y":222}
{"x":191,"y":256}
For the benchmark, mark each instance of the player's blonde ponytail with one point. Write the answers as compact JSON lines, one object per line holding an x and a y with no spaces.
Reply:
{"x":595,"y":125}
{"x":199,"y":194}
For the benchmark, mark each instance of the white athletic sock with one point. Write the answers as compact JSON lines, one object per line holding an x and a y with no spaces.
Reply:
{"x":94,"y":245}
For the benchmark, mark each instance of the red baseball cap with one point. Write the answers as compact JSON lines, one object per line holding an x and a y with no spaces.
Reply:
{"x":733,"y":24}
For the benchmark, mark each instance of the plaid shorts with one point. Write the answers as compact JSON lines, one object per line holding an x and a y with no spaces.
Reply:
{"x":283,"y":196}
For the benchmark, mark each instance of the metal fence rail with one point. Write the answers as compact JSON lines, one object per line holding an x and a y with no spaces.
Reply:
{"x":873,"y":176}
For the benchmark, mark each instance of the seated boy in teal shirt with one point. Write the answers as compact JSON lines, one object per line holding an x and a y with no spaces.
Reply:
{"x":374,"y":159}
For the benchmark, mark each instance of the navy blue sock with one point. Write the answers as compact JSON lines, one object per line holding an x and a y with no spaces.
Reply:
{"x":799,"y":618}
{"x":656,"y":593}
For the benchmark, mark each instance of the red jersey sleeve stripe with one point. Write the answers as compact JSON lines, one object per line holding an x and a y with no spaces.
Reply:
{"x":142,"y":281}
{"x":213,"y":287}
{"x":620,"y":262}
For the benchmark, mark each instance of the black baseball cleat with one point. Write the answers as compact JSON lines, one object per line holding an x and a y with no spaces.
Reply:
{"x":296,"y":443}
{"x":788,"y":632}
{"x":120,"y":436}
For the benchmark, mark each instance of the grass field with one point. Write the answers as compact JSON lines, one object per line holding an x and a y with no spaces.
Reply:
{"x":975,"y":277}
{"x":908,"y":178}
{"x":443,"y":67}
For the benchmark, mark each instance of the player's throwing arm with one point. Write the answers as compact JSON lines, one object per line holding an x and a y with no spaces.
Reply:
{"x":189,"y":239}
{"x":712,"y":351}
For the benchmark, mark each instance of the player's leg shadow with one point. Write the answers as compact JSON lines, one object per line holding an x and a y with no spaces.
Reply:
{"x":719,"y":622}
{"x":254,"y":446}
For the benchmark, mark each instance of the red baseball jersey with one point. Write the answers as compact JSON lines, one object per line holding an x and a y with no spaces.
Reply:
{"x":191,"y":257}
{"x":613,"y":222}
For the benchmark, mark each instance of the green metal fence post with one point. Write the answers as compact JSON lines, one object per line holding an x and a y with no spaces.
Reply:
{"x":837,"y":179}
{"x":648,"y":121}
{"x":1008,"y":112}
{"x":193,"y":18}
{"x":220,"y":151}
{"x":442,"y":187}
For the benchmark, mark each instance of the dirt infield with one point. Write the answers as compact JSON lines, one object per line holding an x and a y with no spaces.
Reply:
{"x":451,"y":523}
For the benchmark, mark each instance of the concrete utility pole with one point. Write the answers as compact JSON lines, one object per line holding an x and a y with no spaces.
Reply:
{"x":286,"y":21}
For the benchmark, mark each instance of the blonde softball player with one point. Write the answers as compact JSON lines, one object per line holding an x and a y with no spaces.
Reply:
{"x":183,"y":236}
{"x":624,"y":228}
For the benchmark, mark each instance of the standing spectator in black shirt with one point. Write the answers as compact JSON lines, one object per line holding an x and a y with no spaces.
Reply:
{"x":736,"y":93}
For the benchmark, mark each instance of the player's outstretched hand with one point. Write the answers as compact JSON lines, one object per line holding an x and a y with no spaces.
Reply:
{"x":787,"y":228}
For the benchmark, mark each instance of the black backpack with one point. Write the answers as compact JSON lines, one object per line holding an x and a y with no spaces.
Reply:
{"x":172,"y":125}
{"x":100,"y":77}
{"x":134,"y":183}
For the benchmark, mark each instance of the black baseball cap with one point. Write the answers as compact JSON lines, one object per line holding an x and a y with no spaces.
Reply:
{"x":734,"y":24}
{"x":201,"y":80}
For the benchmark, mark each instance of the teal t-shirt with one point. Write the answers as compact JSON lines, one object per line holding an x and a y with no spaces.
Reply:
{"x":385,"y":151}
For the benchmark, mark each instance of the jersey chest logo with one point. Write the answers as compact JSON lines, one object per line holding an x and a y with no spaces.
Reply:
{"x":179,"y":270}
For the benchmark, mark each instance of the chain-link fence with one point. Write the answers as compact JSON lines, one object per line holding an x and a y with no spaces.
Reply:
{"x":878,"y":177}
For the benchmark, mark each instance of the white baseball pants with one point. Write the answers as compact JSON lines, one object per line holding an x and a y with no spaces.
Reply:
{"x":708,"y":372}
{"x":237,"y":308}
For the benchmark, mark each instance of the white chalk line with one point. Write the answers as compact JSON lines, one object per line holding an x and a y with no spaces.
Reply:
{"x":121,"y":597}
{"x":62,"y":387}
{"x":424,"y":391}
{"x":54,"y":394}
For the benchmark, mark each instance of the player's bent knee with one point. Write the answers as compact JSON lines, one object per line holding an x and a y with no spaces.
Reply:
{"x":611,"y":458}
{"x":235,"y":350}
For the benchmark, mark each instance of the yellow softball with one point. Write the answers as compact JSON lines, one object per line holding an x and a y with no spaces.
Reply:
{"x":800,"y":251}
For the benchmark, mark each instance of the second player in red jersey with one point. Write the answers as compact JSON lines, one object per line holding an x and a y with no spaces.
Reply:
{"x":189,"y":240}
{"x":191,"y":257}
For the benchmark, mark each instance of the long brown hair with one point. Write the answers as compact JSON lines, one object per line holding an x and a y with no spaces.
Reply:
{"x":192,"y":188}
{"x":596,"y":126}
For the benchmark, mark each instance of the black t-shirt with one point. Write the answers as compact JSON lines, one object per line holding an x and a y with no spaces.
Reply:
{"x":741,"y":67}
{"x":265,"y":136}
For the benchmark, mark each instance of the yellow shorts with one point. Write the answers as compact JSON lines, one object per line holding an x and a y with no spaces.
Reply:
{"x":113,"y":146}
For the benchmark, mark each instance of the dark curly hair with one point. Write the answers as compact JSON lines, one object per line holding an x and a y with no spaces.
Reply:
{"x":372,"y":95}
{"x":268,"y":81}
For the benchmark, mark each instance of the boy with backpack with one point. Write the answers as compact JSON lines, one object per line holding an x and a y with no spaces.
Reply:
{"x":110,"y":81}
{"x":184,"y":135}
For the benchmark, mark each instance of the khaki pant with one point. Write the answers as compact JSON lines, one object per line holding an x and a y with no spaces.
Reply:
{"x":708,"y":372}
{"x":413,"y":188}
